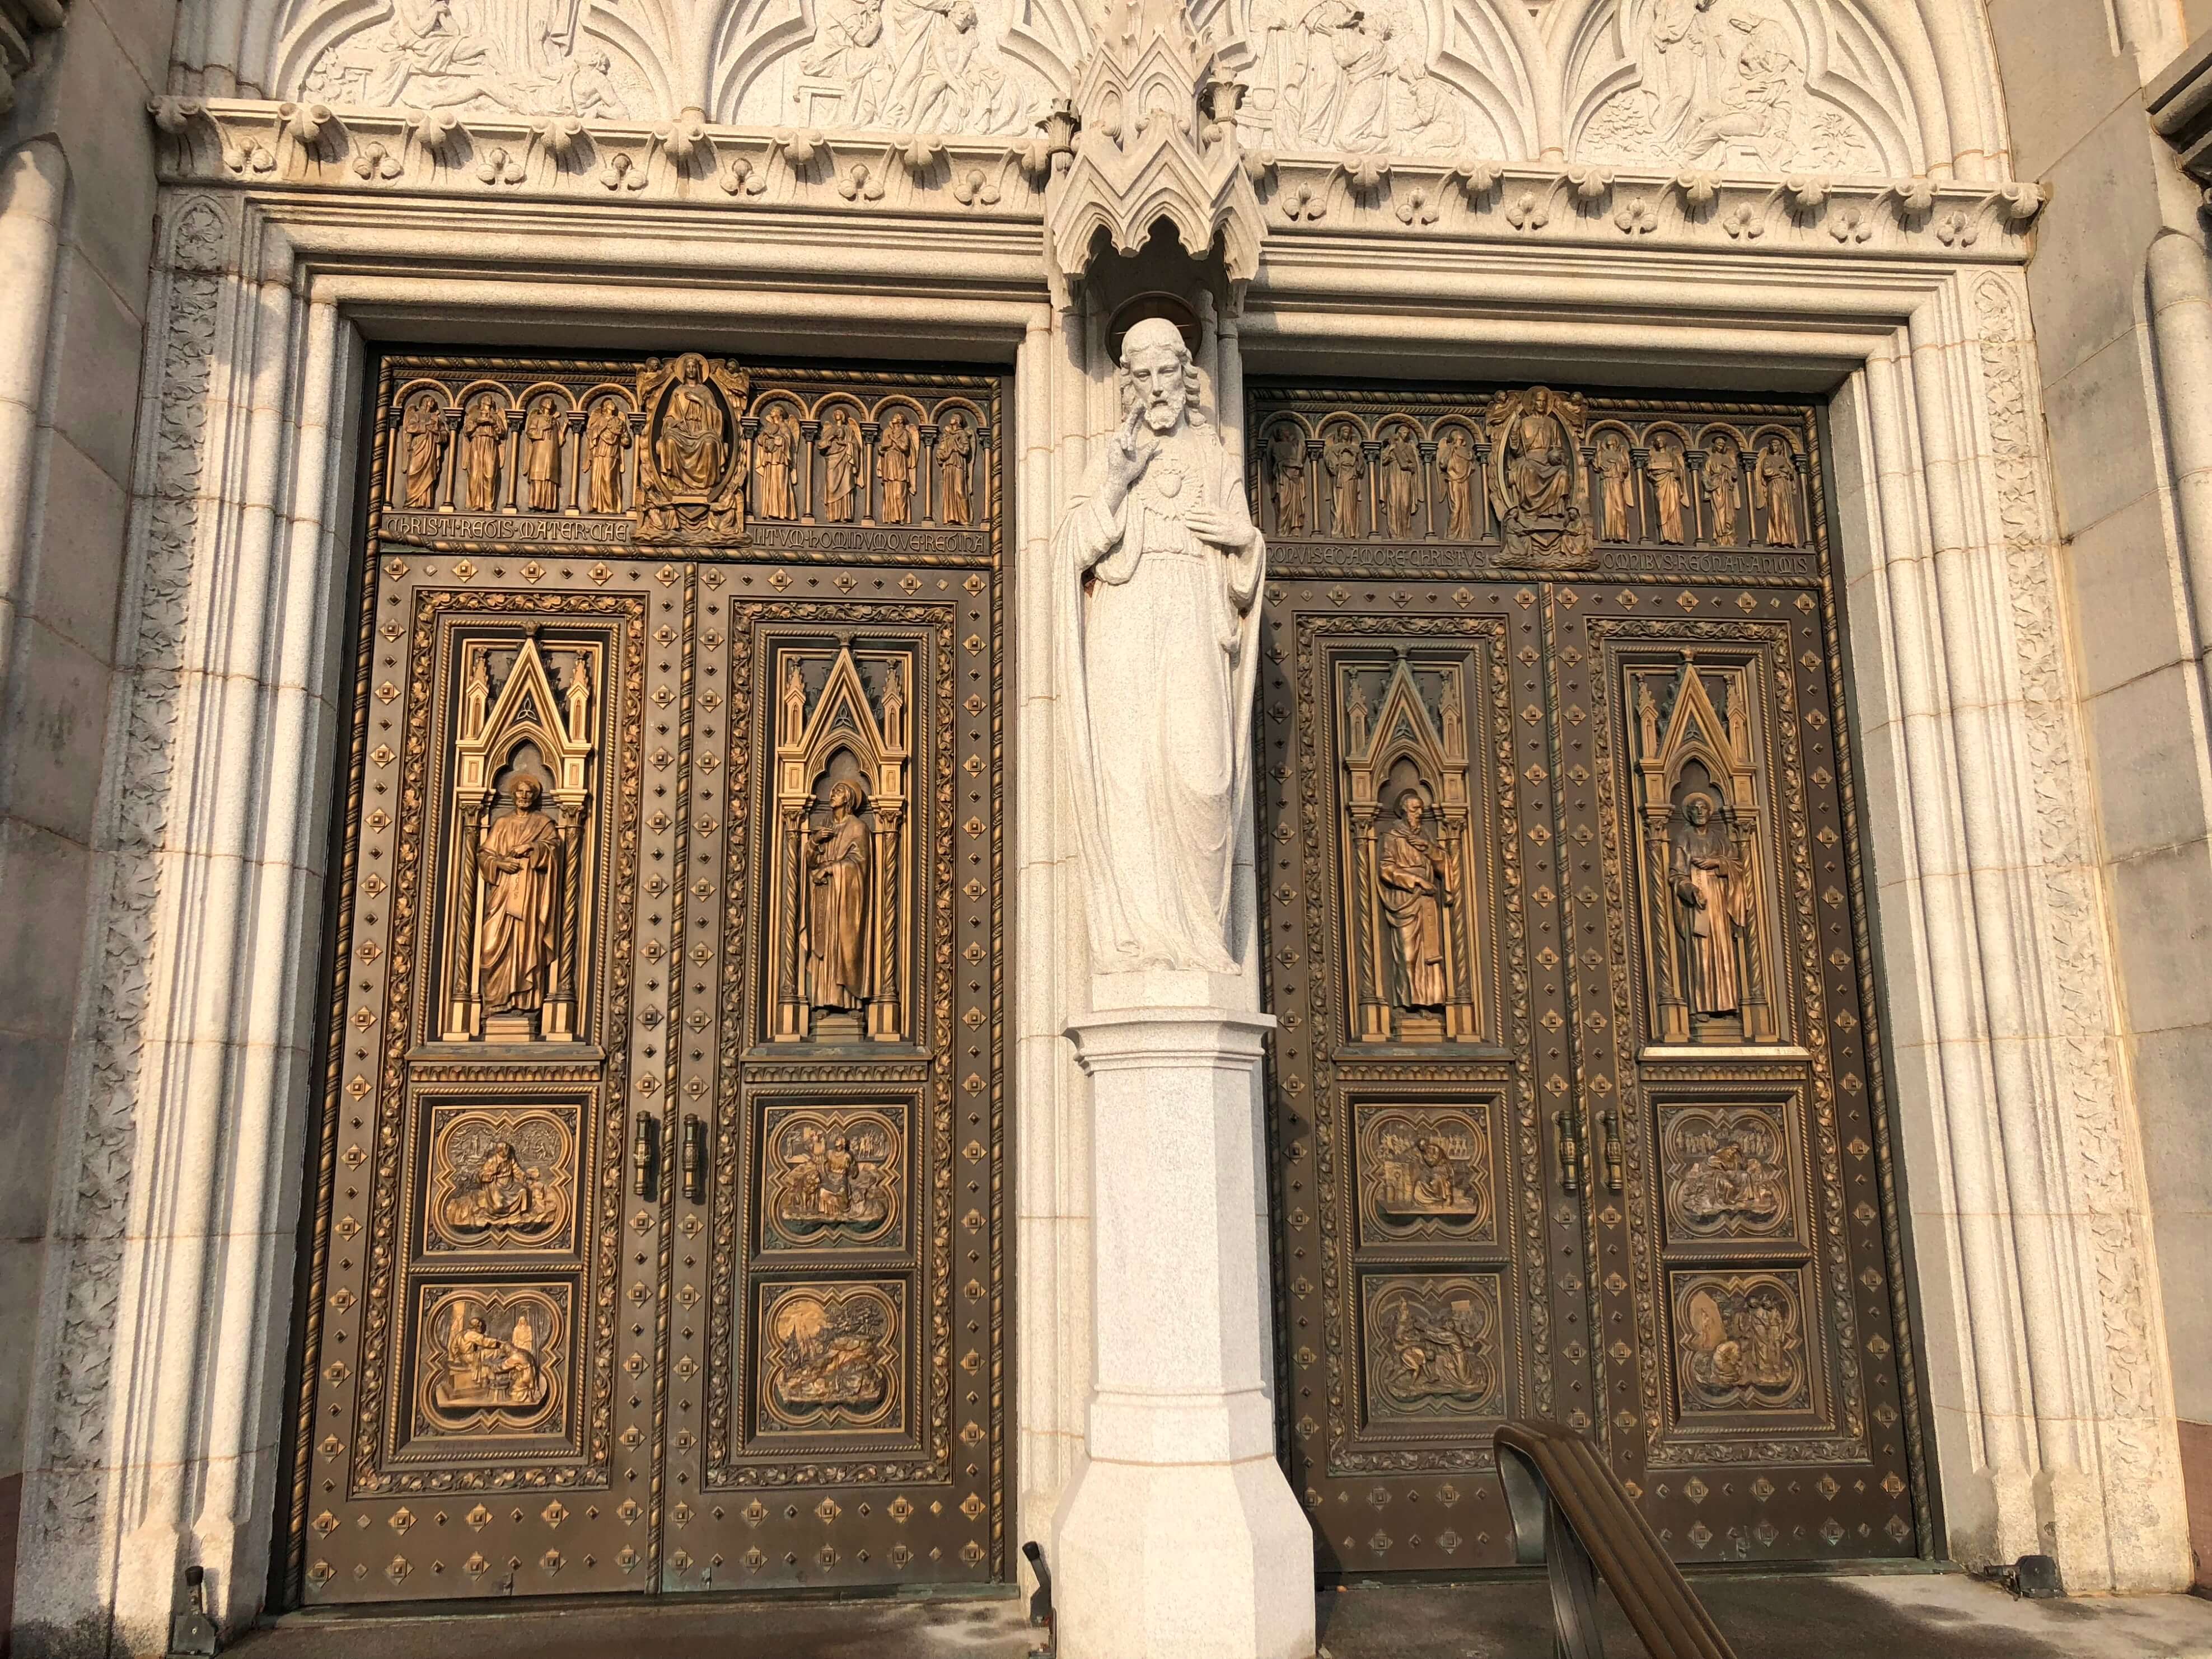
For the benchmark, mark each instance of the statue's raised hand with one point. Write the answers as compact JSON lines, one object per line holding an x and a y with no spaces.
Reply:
{"x":1127,"y":455}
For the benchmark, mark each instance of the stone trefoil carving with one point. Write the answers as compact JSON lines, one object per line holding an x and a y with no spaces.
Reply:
{"x":1159,"y":566}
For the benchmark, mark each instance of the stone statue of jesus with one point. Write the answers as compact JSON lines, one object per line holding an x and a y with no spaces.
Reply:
{"x":1162,"y":565}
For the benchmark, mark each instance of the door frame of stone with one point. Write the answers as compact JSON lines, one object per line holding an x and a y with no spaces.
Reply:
{"x":159,"y":1396}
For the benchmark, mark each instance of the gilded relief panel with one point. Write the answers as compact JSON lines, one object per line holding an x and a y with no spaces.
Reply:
{"x":1427,"y":1171}
{"x":662,"y":1124}
{"x":502,"y":1179}
{"x":1730,"y":1173}
{"x":492,"y":1362}
{"x":833,"y":1178}
{"x":1609,"y":890}
{"x":1433,"y":1344}
{"x":832,"y":1358}
{"x":1741,"y":1343}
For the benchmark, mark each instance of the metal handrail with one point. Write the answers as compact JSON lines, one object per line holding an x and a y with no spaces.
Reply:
{"x":1572,"y":1514}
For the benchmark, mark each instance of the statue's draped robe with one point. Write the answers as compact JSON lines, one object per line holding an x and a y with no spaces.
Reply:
{"x":1412,"y":895}
{"x":836,"y":919}
{"x":1705,"y":866}
{"x":1157,"y":665}
{"x":522,"y":861}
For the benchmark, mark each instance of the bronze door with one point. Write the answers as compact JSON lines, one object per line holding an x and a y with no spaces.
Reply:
{"x":1577,"y":1104}
{"x":657,"y":1242}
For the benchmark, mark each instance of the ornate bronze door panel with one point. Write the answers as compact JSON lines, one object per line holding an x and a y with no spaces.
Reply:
{"x":657,"y":1240}
{"x":1578,"y":1105}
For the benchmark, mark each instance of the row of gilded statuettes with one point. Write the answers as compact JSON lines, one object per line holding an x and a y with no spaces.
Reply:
{"x":482,"y":441}
{"x":1712,"y":480}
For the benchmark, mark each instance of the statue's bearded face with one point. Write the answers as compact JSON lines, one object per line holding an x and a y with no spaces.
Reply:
{"x":1156,"y":373}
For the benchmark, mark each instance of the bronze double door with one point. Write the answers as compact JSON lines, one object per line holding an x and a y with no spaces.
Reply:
{"x":655,"y":1238}
{"x":1577,"y":1103}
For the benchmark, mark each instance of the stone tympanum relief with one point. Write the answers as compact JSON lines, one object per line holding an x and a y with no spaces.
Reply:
{"x":473,"y":57}
{"x":1160,"y":566}
{"x":887,"y":66}
{"x":1737,"y":87}
{"x":1389,"y":77}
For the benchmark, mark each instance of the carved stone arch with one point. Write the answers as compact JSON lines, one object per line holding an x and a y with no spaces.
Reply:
{"x":1862,"y":95}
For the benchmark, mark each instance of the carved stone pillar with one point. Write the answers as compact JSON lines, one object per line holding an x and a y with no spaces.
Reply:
{"x":1179,"y":1540}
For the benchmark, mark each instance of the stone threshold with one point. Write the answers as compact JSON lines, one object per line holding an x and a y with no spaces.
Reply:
{"x":1885,"y":1616}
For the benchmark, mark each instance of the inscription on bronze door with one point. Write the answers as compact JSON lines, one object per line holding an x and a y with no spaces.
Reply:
{"x":656,"y":1240}
{"x":1577,"y":1103}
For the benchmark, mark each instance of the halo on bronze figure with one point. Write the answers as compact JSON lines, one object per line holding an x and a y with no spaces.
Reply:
{"x":1160,"y":567}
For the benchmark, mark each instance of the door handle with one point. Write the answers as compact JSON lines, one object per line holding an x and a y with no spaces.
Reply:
{"x":645,"y":1153}
{"x":1562,"y":1126}
{"x":1608,"y":1125}
{"x":695,"y":1157}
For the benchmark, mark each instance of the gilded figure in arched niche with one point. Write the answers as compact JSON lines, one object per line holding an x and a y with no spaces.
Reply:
{"x":520,"y":859}
{"x":1416,"y":876}
{"x":1712,"y":892}
{"x":837,"y":904}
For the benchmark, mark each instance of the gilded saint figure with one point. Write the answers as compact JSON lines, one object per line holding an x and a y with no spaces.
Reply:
{"x":1713,"y":902}
{"x":691,"y":449}
{"x":423,"y":437}
{"x":1286,"y":472}
{"x":1456,"y":459}
{"x":895,"y":467}
{"x":606,"y":435}
{"x":775,"y":463}
{"x":541,"y":455}
{"x":1616,"y":481}
{"x":1774,"y":487}
{"x":839,"y":445}
{"x":481,"y":435}
{"x":1340,"y":459}
{"x":1401,"y":479}
{"x":837,"y":903}
{"x":1724,"y":486}
{"x":1538,"y":471}
{"x":1417,"y":881}
{"x":1670,"y":485}
{"x":956,"y":450}
{"x":520,"y":859}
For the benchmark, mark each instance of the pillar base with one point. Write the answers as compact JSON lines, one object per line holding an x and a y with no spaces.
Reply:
{"x":1183,"y":1561}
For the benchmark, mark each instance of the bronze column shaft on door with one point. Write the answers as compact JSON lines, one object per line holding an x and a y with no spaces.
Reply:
{"x":587,"y":738}
{"x":1577,"y":1108}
